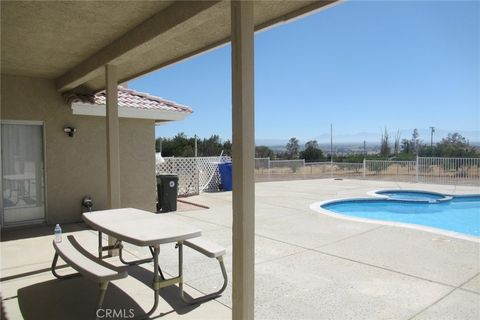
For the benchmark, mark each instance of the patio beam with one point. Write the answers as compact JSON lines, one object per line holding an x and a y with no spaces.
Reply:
{"x":113,"y":143}
{"x":160,"y":23}
{"x":243,"y":153}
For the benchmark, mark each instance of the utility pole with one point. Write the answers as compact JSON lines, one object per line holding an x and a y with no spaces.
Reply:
{"x":431,"y":136}
{"x":196,"y":153}
{"x":364,"y":149}
{"x":331,"y":151}
{"x":331,"y":143}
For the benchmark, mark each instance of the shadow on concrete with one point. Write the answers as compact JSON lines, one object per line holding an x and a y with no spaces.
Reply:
{"x":170,"y":294}
{"x":77,"y":298}
{"x":33,"y":231}
{"x":70,"y":299}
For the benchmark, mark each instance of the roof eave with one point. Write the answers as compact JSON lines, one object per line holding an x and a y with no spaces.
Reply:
{"x":87,"y":109}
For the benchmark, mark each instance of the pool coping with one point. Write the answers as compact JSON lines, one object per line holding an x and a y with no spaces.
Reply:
{"x":317,"y":207}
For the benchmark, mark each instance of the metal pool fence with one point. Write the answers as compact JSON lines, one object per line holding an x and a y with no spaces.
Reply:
{"x":201,"y":174}
{"x":465,"y":171}
{"x":390,"y":170}
{"x":461,"y":171}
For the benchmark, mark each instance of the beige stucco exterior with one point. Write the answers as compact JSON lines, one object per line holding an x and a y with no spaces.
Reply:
{"x":76,"y":166}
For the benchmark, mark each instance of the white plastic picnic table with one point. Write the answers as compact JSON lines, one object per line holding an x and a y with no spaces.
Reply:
{"x":144,"y":229}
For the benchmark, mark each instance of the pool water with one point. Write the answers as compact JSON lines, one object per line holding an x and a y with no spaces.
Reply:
{"x":411,"y":195}
{"x":460,"y":214}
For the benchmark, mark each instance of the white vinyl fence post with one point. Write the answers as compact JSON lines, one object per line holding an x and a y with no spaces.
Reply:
{"x":364,"y":168}
{"x":269,"y":172}
{"x":416,"y":170}
{"x":303,"y":169}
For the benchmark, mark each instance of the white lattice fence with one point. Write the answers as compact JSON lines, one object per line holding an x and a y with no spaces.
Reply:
{"x":185,"y":169}
{"x":208,"y":175}
{"x":194,"y":174}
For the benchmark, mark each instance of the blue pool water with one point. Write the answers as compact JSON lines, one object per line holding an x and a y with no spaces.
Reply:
{"x":460,"y":214}
{"x":411,"y":195}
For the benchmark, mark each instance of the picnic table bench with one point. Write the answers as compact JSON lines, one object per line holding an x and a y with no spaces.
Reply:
{"x":86,"y":264}
{"x":139,"y":228}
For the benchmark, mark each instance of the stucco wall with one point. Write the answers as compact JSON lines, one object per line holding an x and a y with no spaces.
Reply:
{"x":76,"y":166}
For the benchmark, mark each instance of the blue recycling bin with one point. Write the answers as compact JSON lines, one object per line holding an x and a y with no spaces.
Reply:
{"x":226,"y":175}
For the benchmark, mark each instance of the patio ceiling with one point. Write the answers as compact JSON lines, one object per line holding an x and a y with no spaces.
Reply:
{"x":71,"y":41}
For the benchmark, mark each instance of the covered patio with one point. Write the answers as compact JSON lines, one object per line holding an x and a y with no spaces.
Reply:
{"x":307,"y":265}
{"x":50,"y":49}
{"x":283,"y":260}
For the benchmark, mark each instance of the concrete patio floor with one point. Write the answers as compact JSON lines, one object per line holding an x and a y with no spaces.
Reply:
{"x":308,"y":265}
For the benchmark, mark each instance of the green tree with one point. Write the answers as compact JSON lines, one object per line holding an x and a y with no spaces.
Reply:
{"x":416,"y":140}
{"x":396,"y":146}
{"x":293,"y":148}
{"x":183,"y":146}
{"x":407,"y":146}
{"x":311,"y":152}
{"x":454,"y":145}
{"x":210,"y":147}
{"x":412,"y":145}
{"x":178,"y":146}
{"x":227,"y":148}
{"x":263,"y":152}
{"x":385,"y":144}
{"x":312,"y":144}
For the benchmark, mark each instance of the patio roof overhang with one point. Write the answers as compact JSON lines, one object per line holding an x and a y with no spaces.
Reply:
{"x":72,"y":41}
{"x":131,"y":104}
{"x":160,"y":116}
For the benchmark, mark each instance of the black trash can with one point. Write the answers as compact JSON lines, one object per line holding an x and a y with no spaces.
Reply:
{"x":167,"y":191}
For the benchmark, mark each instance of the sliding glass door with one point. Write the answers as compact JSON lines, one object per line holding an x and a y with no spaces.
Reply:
{"x":23,"y":182}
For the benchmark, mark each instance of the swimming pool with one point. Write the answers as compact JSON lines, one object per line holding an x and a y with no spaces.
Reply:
{"x":427,"y":211}
{"x":413,"y":195}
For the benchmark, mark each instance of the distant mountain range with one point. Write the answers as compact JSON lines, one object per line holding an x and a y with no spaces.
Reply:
{"x":371,"y":137}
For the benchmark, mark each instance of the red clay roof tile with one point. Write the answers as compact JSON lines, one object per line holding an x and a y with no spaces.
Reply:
{"x":140,"y":100}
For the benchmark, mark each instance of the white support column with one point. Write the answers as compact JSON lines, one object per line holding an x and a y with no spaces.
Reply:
{"x":243,"y":155}
{"x":113,"y":145}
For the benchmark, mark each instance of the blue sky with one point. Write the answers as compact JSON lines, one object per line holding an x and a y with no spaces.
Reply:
{"x":361,"y":65}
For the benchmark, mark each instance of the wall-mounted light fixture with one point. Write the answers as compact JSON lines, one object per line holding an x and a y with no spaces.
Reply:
{"x":70,"y":131}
